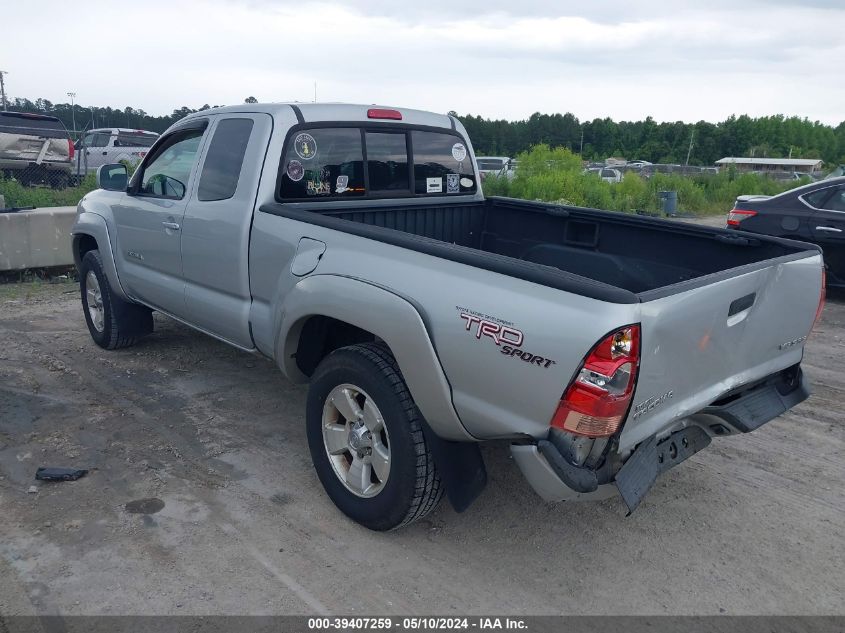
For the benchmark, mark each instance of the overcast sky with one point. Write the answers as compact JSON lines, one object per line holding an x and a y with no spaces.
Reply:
{"x":674,"y":60}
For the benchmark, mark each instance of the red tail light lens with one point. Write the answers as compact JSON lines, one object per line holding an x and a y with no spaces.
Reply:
{"x":381,"y":113}
{"x":596,"y":401}
{"x":738,"y":215}
{"x":70,"y":148}
{"x":822,"y":297}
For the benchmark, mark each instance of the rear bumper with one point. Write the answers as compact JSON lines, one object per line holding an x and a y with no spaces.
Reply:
{"x":742,"y":411}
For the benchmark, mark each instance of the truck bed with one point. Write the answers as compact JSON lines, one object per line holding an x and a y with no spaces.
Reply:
{"x":629,"y":258}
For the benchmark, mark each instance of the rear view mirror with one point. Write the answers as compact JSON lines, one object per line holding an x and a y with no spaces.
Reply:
{"x":113,"y":177}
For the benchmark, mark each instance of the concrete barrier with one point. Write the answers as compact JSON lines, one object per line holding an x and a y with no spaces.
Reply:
{"x":39,"y":238}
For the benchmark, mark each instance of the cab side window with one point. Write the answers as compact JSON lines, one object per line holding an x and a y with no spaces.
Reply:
{"x":97,"y":139}
{"x":224,"y":160}
{"x":166,"y":173}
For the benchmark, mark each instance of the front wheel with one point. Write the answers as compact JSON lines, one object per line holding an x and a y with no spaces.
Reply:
{"x":366,"y":439}
{"x":112,"y":322}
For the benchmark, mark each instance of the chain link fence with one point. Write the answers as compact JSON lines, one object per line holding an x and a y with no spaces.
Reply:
{"x":55,"y":176}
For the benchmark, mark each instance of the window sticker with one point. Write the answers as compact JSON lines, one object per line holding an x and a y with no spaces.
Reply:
{"x":306,"y":147}
{"x":318,"y":187}
{"x":459,"y":152}
{"x":434,"y":185}
{"x":295,"y":171}
{"x":452,"y":183}
{"x":466,"y":182}
{"x":342,"y":184}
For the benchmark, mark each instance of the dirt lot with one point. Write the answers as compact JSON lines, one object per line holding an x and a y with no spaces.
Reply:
{"x":752,"y":525}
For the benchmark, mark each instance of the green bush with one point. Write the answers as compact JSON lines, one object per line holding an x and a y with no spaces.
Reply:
{"x":557,"y":175}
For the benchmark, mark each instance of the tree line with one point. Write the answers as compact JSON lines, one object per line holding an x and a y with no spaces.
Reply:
{"x":700,"y":143}
{"x":774,"y":136}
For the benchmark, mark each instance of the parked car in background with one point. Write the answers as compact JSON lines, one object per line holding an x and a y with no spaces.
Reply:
{"x":35,"y":149}
{"x":812,"y":213}
{"x":606,"y":173}
{"x":492,"y":165}
{"x":112,"y":145}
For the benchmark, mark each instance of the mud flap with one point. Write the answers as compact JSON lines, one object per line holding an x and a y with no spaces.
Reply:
{"x":652,"y":458}
{"x":460,"y":466}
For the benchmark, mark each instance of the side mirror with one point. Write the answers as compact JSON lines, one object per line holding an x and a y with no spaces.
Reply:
{"x":112,"y":177}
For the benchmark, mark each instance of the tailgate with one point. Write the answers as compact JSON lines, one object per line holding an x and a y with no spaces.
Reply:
{"x":699,"y":344}
{"x":29,"y":148}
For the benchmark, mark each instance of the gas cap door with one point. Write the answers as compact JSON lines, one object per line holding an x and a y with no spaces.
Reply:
{"x":308,"y":254}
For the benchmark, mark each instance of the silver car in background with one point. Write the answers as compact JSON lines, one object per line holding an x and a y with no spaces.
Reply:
{"x":494,"y":166}
{"x":103,"y":146}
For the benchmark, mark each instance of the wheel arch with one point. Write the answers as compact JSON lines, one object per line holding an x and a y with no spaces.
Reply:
{"x":90,"y":232}
{"x":324,"y":312}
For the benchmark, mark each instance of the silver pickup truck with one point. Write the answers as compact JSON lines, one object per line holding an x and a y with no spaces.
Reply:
{"x":353,"y":245}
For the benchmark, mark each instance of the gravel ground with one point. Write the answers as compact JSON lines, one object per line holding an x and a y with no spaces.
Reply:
{"x":752,"y":525}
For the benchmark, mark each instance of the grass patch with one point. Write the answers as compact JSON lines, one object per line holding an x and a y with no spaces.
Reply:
{"x":556,"y":175}
{"x":18,"y":195}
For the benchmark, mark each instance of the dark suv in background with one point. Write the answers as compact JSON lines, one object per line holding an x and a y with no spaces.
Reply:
{"x":35,"y":149}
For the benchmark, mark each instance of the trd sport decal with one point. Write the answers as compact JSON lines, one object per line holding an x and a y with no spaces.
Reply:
{"x":508,"y":338}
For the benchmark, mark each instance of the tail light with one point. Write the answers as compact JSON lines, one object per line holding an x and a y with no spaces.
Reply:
{"x":738,"y":215}
{"x":822,"y":296}
{"x":70,"y":148}
{"x":597,"y":400}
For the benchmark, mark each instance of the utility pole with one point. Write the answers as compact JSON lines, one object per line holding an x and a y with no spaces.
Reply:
{"x":72,"y":96}
{"x":3,"y":89}
{"x":689,"y":151}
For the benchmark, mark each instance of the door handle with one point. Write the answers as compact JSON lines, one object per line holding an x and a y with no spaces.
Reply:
{"x":829,"y":229}
{"x":174,"y":226}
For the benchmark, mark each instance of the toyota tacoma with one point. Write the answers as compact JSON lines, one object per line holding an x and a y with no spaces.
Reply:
{"x":353,"y":246}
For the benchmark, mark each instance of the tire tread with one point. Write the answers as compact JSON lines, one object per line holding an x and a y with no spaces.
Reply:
{"x":429,"y":489}
{"x":127,"y":322}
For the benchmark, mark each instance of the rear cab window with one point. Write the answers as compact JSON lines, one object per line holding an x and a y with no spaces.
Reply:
{"x":365,"y":162}
{"x":25,"y":124}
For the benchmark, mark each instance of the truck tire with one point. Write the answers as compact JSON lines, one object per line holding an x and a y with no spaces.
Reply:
{"x":366,"y":439}
{"x":112,"y":322}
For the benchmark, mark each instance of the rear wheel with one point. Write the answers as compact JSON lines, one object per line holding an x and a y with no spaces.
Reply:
{"x":366,"y":440}
{"x":112,"y":322}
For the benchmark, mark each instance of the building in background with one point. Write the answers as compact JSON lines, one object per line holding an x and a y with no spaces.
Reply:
{"x":809,"y":166}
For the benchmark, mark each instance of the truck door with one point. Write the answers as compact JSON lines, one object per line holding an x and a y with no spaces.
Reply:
{"x":828,"y":228}
{"x":149,"y":219}
{"x":216,"y":227}
{"x":95,"y":145}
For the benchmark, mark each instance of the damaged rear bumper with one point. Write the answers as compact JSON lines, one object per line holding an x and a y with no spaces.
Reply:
{"x":555,"y":478}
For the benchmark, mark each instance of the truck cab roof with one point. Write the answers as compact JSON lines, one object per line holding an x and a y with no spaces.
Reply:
{"x":333,"y":112}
